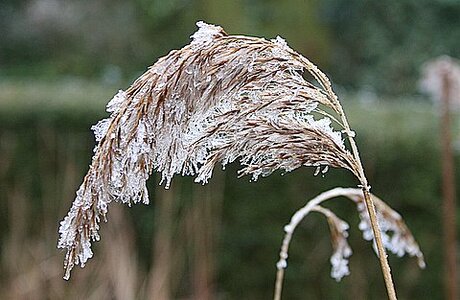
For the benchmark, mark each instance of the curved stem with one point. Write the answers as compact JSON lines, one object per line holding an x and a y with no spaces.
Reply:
{"x":325,"y":83}
{"x":290,"y":228}
{"x":359,"y":173}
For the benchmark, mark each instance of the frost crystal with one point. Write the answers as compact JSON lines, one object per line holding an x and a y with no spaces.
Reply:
{"x":281,"y":264}
{"x":280,"y":41}
{"x":339,"y":261}
{"x":114,"y":105}
{"x":396,"y":237}
{"x":100,"y":129}
{"x":206,"y":33}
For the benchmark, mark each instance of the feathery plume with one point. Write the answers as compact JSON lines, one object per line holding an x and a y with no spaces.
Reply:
{"x":396,"y":236}
{"x":220,"y":99}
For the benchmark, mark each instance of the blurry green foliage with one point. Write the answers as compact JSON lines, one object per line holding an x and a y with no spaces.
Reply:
{"x":381,"y":45}
{"x":362,"y":44}
{"x":45,"y":149}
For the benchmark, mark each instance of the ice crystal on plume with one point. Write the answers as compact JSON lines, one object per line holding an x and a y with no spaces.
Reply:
{"x":395,"y":235}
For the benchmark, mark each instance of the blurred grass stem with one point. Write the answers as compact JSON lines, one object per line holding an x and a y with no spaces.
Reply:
{"x":448,"y":190}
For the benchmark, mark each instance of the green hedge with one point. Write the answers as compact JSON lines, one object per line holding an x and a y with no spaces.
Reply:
{"x":45,"y":149}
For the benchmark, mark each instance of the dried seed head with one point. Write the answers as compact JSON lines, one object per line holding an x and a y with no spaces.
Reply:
{"x":342,"y":250}
{"x":220,"y":99}
{"x":395,"y":235}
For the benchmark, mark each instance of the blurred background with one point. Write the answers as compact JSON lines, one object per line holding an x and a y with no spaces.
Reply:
{"x":62,"y":60}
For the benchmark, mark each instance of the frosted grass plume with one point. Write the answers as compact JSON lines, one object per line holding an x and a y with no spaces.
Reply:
{"x":220,"y":99}
{"x":396,"y":237}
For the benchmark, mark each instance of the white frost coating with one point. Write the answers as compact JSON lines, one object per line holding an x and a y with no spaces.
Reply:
{"x":339,"y":235}
{"x":349,"y":133}
{"x":197,"y":132}
{"x":324,"y":125}
{"x":100,"y":129}
{"x":280,"y":42}
{"x":114,"y":105}
{"x":86,"y":254}
{"x":206,"y":33}
{"x":281,"y":264}
{"x":342,"y":252}
{"x":402,"y":242}
{"x":395,"y":237}
{"x":339,"y":262}
{"x":317,"y":170}
{"x":281,"y":50}
{"x":220,"y":100}
{"x":288,"y":228}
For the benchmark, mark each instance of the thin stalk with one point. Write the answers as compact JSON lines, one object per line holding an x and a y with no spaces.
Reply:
{"x":279,"y":284}
{"x":381,"y":250}
{"x":358,"y":170}
{"x":448,"y":190}
{"x":359,"y":173}
{"x":371,"y":210}
{"x":365,"y":187}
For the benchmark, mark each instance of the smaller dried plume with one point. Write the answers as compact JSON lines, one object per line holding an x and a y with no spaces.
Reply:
{"x":396,"y":236}
{"x":342,"y":250}
{"x":220,"y":99}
